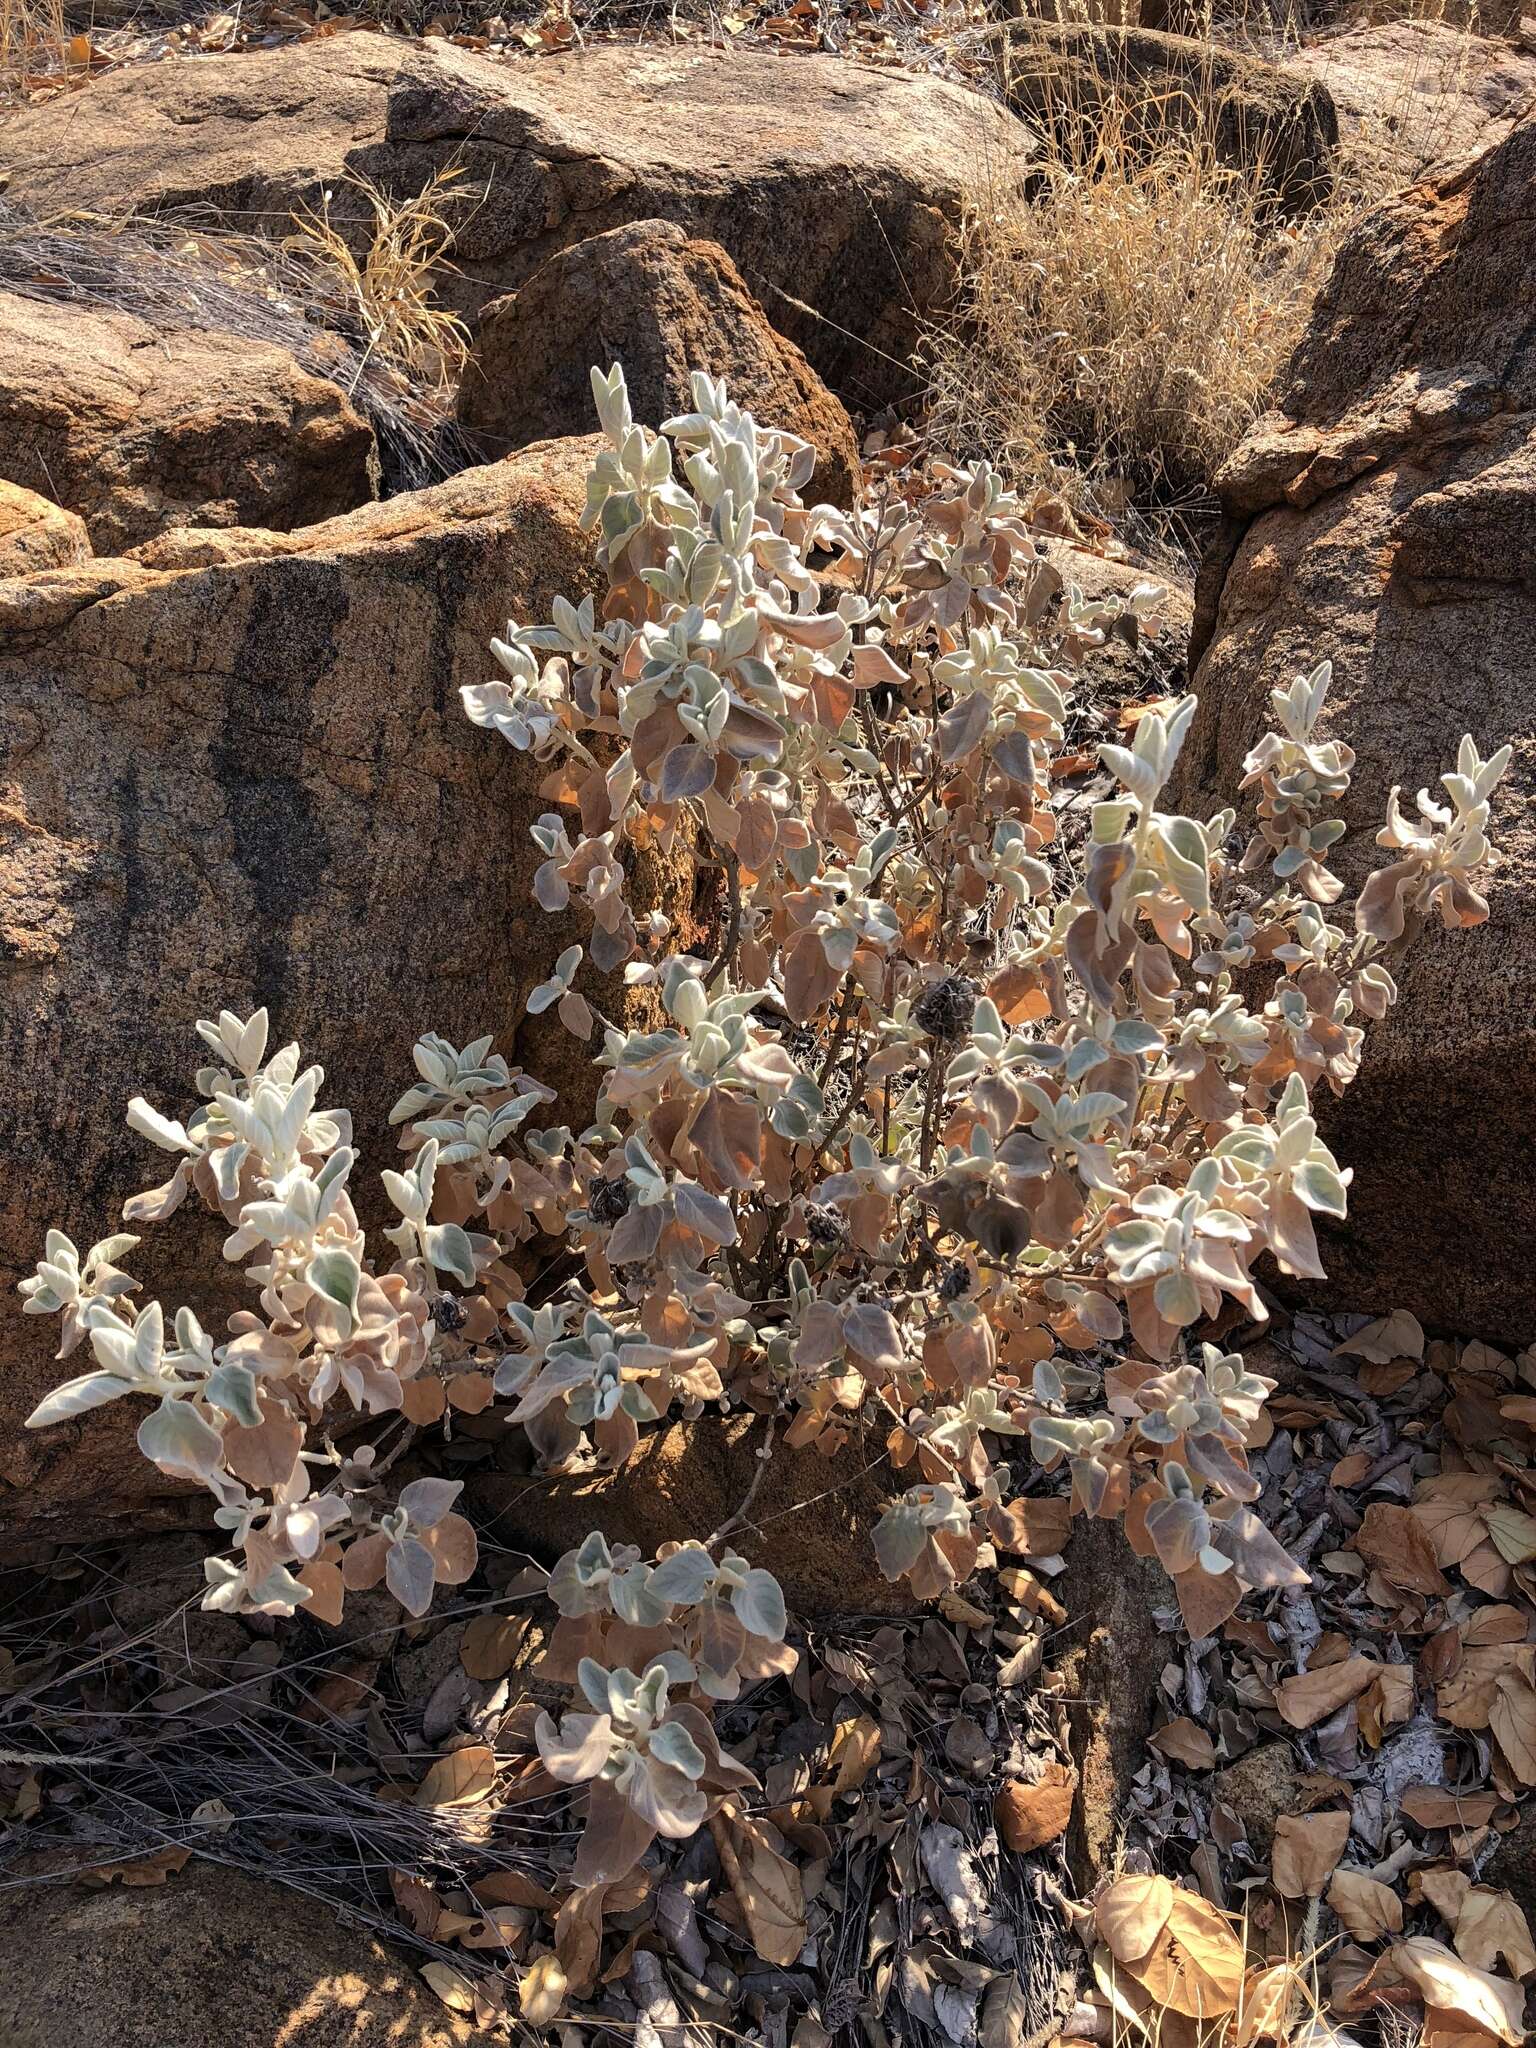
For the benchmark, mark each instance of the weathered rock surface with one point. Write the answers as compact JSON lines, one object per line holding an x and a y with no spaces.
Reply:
{"x":826,"y":181}
{"x":661,"y":304}
{"x":211,"y":1955}
{"x":811,"y":1518}
{"x":1112,"y":1653}
{"x":138,"y":429}
{"x":1385,"y":516}
{"x":37,"y":534}
{"x":1257,"y":117}
{"x":226,"y":782}
{"x":1414,"y":93}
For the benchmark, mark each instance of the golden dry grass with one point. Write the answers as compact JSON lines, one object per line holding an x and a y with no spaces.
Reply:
{"x":389,"y":292}
{"x":32,"y":38}
{"x":1125,"y":319}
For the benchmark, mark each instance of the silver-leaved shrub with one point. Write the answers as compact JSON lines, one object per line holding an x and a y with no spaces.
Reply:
{"x":974,"y":1113}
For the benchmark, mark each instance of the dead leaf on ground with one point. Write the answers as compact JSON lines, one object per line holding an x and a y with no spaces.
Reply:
{"x":541,"y":1991}
{"x":1307,"y":1850}
{"x":766,"y":1884}
{"x":1398,"y":1335}
{"x":854,"y":1752}
{"x":1311,"y":1696}
{"x":139,"y":1870}
{"x":451,"y":1986}
{"x":1394,"y":1542}
{"x":1490,"y":1925}
{"x":462,"y":1778}
{"x":490,"y":1645}
{"x":511,"y":1888}
{"x":1029,"y":1816}
{"x":1432,"y":1807}
{"x":1448,"y":1986}
{"x":1192,"y":1962}
{"x":1187,"y":1743}
{"x":1367,"y":1907}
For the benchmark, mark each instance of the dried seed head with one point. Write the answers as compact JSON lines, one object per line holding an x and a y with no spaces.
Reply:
{"x":824,"y":1224}
{"x":946,"y":1010}
{"x":449,"y":1313}
{"x":607,"y":1200}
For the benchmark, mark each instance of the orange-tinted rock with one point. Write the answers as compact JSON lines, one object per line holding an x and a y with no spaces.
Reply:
{"x":209,"y":1955}
{"x":37,"y":534}
{"x":249,"y":780}
{"x":661,"y":305}
{"x":138,"y":428}
{"x":1385,"y":516}
{"x":834,"y":186}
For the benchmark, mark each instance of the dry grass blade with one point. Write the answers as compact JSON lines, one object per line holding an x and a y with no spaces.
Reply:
{"x":180,"y":271}
{"x":32,"y":38}
{"x":1125,"y":319}
{"x":388,"y":290}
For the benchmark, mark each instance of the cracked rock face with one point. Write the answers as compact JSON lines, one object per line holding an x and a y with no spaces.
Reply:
{"x":137,"y":429}
{"x":35,"y":534}
{"x":660,"y":305}
{"x":832,"y":187}
{"x":1385,"y":516}
{"x":235,"y":772}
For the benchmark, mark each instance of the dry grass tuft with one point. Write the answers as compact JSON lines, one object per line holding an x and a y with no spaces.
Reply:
{"x":1127,"y":314}
{"x":32,"y":38}
{"x":389,"y":292}
{"x":186,"y":270}
{"x":1125,"y":320}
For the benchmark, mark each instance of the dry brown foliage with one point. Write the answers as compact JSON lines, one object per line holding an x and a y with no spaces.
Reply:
{"x":1125,"y":321}
{"x":389,"y":289}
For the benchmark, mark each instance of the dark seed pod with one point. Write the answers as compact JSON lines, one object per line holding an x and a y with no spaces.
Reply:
{"x":956,"y":1283}
{"x":607,"y":1200}
{"x":449,"y":1313}
{"x":824,"y":1224}
{"x":947,"y":1009}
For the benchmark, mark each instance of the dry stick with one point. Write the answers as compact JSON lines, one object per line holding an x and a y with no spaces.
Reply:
{"x":732,"y":939}
{"x":764,"y":1456}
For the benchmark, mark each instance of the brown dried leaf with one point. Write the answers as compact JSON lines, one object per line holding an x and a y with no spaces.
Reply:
{"x":265,"y":1453}
{"x":1491,"y":1925}
{"x":1433,"y":1807}
{"x":451,"y":1986}
{"x":1395,"y":1336}
{"x":1039,"y":1528}
{"x":1196,"y":1966}
{"x":462,"y":1778}
{"x":541,"y":1991}
{"x":1311,"y":1696}
{"x":1307,"y":1850}
{"x":1446,"y":1891}
{"x":490,"y":1645}
{"x":1493,"y":1625}
{"x":511,"y":1888}
{"x":326,"y":1589}
{"x":1131,"y":1914}
{"x":1395,"y":1543}
{"x":1512,"y":1723}
{"x":1029,"y":1816}
{"x":767,"y":1886}
{"x":139,"y":1871}
{"x":854,"y":1753}
{"x":1273,"y":1999}
{"x":1368,"y":1908}
{"x":1481,"y":2003}
{"x":1187,"y":1743}
{"x":1513,"y":1533}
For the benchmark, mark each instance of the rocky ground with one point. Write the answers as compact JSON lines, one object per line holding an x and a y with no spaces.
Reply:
{"x":246,"y":562}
